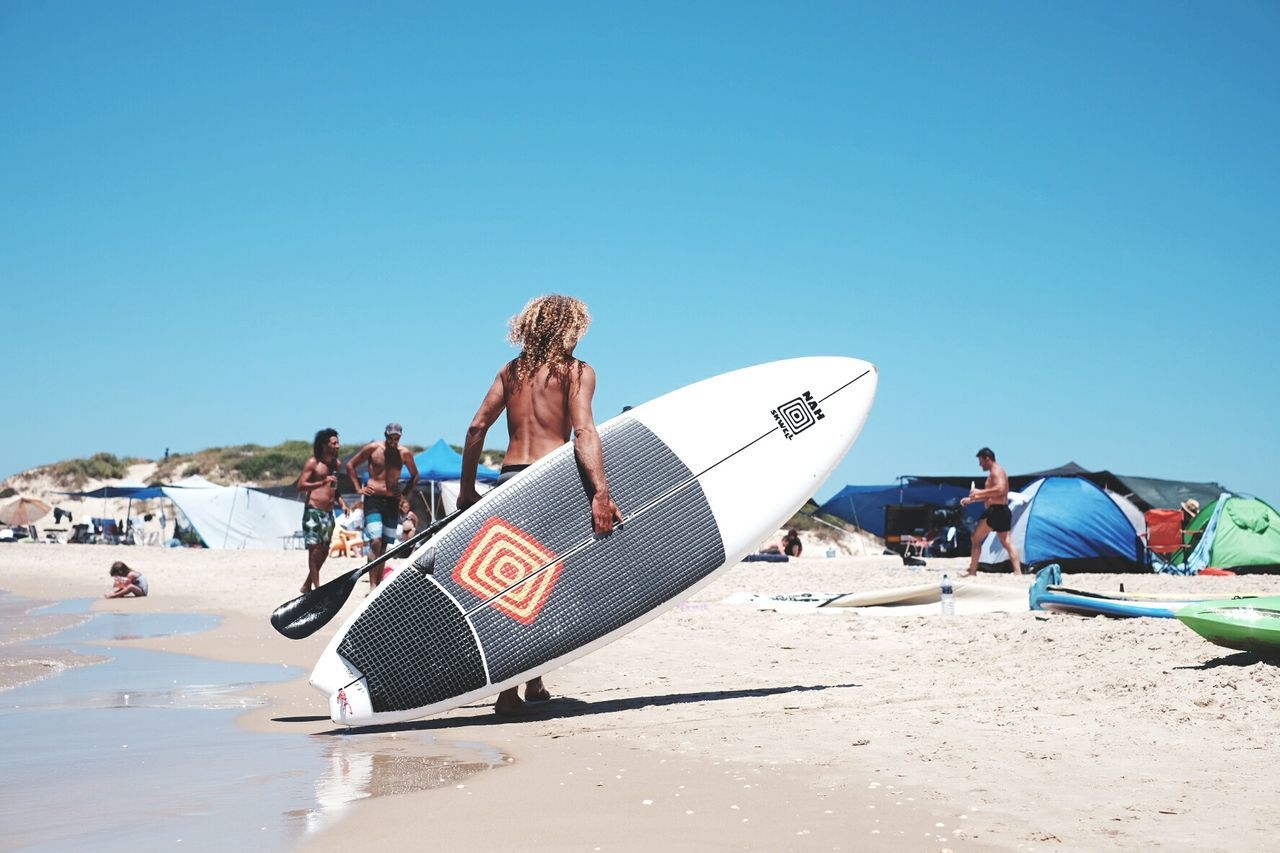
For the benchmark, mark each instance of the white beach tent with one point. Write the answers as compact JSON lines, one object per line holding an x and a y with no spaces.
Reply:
{"x":236,"y":517}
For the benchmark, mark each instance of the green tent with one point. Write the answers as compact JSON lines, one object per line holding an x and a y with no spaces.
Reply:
{"x":1238,"y":533}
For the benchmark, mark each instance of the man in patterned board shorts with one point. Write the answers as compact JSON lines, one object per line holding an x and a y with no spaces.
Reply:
{"x":997,"y":518}
{"x":319,"y":481}
{"x":382,"y":491}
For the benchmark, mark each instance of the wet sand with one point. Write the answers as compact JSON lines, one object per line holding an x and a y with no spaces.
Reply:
{"x":994,"y":731}
{"x":114,"y":746}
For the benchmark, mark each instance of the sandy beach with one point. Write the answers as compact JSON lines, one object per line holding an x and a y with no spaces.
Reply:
{"x":724,"y":726}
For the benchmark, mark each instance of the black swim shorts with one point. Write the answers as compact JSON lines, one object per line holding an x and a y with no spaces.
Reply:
{"x":998,"y":518}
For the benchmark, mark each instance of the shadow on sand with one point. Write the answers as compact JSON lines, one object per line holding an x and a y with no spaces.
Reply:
{"x":563,"y":707}
{"x":1238,"y":659}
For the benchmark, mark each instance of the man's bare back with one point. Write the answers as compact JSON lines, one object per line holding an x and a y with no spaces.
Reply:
{"x":542,"y":413}
{"x":537,"y":412}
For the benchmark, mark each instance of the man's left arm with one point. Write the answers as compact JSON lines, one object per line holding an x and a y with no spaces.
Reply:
{"x":407,"y":458}
{"x":590,"y":452}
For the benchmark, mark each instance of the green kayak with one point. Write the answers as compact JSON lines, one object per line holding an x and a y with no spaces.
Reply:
{"x":1247,"y":624}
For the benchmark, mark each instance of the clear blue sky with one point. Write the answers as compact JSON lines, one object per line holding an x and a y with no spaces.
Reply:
{"x":1054,"y":227}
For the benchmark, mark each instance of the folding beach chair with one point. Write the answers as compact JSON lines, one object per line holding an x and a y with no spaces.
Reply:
{"x":1163,"y":538}
{"x":348,"y":543}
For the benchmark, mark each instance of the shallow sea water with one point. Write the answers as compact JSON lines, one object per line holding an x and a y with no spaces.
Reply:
{"x":142,"y":751}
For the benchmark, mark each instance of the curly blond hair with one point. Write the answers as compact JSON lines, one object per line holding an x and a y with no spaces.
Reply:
{"x":546,"y":331}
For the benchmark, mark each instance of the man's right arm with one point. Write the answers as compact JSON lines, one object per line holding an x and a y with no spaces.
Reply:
{"x":365,"y":453}
{"x":492,"y":405}
{"x":305,"y":481}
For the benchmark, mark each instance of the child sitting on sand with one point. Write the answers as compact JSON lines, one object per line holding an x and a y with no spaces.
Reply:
{"x":126,"y":581}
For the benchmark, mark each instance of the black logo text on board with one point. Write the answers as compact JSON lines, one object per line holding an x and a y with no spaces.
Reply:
{"x":796,"y":416}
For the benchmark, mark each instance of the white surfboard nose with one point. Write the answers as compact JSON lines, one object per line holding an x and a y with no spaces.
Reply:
{"x":332,"y":673}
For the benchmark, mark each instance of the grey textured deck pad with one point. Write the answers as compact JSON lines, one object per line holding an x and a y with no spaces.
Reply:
{"x":414,"y":647}
{"x":610,"y":583}
{"x":600,"y":587}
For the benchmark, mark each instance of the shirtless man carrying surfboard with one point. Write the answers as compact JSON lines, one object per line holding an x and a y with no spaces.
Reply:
{"x":995,"y":494}
{"x":546,"y":393}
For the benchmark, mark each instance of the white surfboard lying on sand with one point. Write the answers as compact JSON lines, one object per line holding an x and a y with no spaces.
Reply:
{"x":518,"y":585}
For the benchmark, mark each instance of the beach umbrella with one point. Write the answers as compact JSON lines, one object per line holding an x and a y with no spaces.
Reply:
{"x":24,"y":511}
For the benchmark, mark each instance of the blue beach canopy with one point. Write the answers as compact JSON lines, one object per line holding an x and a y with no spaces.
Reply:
{"x":441,"y":462}
{"x":864,"y":506}
{"x":137,"y":493}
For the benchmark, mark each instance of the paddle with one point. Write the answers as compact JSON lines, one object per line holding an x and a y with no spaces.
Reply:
{"x":312,"y":610}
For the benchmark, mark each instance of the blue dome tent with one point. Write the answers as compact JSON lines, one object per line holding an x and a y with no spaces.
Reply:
{"x":1072,"y":522}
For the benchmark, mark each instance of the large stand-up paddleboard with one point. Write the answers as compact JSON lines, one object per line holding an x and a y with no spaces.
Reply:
{"x":518,"y":585}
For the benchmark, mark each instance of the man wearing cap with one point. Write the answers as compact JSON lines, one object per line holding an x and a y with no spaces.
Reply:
{"x":382,"y":491}
{"x":997,"y":517}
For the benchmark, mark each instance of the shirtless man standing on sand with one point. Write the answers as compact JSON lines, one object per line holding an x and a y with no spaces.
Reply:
{"x":382,"y":492}
{"x":319,"y":480}
{"x":546,"y":393}
{"x":995,"y":494}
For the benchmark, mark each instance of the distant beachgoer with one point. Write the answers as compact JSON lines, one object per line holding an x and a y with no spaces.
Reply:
{"x":791,"y":544}
{"x":546,"y":393}
{"x":408,"y":520}
{"x":997,"y":517}
{"x":126,"y":581}
{"x":353,"y":518}
{"x":1190,"y":509}
{"x":319,"y":480}
{"x":382,"y":492}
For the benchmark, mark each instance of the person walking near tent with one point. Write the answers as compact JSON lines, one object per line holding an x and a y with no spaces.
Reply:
{"x":382,"y":491}
{"x":319,"y":480}
{"x":997,"y":517}
{"x":546,"y":393}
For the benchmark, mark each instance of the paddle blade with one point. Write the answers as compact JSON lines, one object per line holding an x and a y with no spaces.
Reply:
{"x":311,"y":611}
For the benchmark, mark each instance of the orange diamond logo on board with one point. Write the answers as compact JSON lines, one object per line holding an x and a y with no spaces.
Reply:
{"x":501,"y":554}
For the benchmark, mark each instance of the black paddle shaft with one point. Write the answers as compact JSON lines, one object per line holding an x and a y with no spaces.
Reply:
{"x":311,"y":611}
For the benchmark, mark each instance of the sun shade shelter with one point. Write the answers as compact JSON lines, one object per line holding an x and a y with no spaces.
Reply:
{"x":230,"y":517}
{"x":236,"y":517}
{"x":130,"y":491}
{"x":439,"y":470}
{"x":1072,"y":522}
{"x":440,"y":462}
{"x":863,"y":506}
{"x":1238,"y":533}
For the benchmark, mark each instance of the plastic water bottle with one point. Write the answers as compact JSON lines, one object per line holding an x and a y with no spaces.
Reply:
{"x":948,"y":597}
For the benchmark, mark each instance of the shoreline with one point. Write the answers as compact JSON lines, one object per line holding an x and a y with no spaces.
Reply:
{"x":1012,"y":730}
